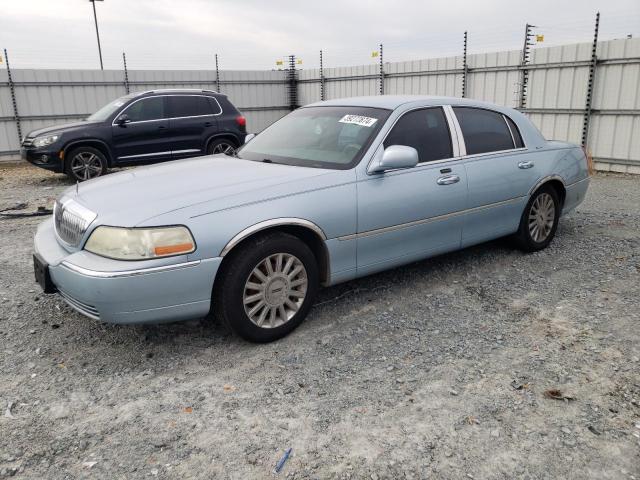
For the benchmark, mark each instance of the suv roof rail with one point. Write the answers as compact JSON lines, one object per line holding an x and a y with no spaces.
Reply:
{"x":189,"y":90}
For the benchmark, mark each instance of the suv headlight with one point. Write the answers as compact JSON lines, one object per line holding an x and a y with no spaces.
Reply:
{"x":45,"y":140}
{"x":140,"y":243}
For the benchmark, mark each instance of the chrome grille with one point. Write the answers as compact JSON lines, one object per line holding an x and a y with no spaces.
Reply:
{"x":27,"y":142}
{"x":71,"y":221}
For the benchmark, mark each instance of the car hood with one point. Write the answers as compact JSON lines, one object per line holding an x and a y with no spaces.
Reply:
{"x":65,"y":127}
{"x":197,"y":185}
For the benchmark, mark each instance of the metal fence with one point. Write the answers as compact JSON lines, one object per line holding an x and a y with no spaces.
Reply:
{"x":585,"y":93}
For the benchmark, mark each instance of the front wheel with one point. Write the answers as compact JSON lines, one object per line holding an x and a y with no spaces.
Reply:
{"x":85,"y":163}
{"x":267,"y":287}
{"x":221,"y":145}
{"x":539,"y":220}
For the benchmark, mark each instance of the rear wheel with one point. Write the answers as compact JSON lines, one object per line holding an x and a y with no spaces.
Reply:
{"x":539,"y":220}
{"x":221,"y":145}
{"x":85,"y":163}
{"x":267,"y":287}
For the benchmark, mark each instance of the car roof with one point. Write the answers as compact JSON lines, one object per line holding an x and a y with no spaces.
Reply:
{"x":392,"y":102}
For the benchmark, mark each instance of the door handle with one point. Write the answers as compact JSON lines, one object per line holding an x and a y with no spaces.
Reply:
{"x":448,"y":180}
{"x":161,"y":127}
{"x":525,"y":165}
{"x":208,"y":124}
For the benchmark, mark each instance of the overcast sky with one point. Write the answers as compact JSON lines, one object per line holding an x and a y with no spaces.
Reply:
{"x":251,"y":34}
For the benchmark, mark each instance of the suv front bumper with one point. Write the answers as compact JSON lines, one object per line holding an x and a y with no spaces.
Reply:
{"x":115,"y":291}
{"x":43,"y":158}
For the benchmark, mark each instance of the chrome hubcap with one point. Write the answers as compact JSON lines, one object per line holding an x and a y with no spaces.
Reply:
{"x":86,"y":165}
{"x":541,"y":217}
{"x":225,"y":148}
{"x":275,"y":290}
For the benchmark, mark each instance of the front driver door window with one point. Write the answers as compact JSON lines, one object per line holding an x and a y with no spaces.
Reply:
{"x":145,"y":138}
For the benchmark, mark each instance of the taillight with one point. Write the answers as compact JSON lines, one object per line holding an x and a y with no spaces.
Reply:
{"x":590,"y":167}
{"x":241,"y":121}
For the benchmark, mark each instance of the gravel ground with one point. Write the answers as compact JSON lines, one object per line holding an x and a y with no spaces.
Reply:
{"x":435,"y":370}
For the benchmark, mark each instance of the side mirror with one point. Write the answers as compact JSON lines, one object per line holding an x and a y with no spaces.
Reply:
{"x":394,"y":157}
{"x":249,"y":137}
{"x":123,"y":119}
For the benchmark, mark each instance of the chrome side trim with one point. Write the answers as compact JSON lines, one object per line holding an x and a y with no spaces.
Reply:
{"x":145,"y":154}
{"x":190,"y":150}
{"x":543,"y":180}
{"x":127,"y":273}
{"x":586,"y":179}
{"x":284,"y":221}
{"x":378,"y":231}
{"x":114,"y":124}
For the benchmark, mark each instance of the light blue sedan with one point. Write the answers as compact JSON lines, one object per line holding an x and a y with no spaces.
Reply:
{"x":331,"y":192}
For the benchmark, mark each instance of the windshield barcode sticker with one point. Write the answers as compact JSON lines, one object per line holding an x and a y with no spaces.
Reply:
{"x":359,"y":120}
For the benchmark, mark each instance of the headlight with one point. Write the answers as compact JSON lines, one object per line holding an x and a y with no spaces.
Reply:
{"x":140,"y":243}
{"x":45,"y":140}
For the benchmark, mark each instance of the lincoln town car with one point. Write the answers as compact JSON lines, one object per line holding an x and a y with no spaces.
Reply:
{"x":333,"y":191}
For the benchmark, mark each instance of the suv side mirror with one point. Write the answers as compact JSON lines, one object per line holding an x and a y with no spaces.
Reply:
{"x":123,"y":119}
{"x":393,"y":157}
{"x":249,"y":137}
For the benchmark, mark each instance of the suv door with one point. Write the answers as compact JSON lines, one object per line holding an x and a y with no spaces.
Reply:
{"x":145,"y":136}
{"x":499,"y":172}
{"x":405,"y":215}
{"x":192,"y":122}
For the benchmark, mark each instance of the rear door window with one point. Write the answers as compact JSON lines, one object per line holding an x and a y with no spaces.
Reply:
{"x":426,"y":130}
{"x":151,"y":108}
{"x":483,"y":130}
{"x":189,"y":106}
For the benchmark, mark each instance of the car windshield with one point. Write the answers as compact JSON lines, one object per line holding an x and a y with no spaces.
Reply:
{"x":109,"y":109}
{"x":320,"y":137}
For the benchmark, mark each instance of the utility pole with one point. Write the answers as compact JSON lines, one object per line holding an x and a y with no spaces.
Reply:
{"x":95,"y":19}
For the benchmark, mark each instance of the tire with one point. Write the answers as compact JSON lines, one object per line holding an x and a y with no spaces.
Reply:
{"x":222,"y":145}
{"x":237,"y":299}
{"x":539,"y":220}
{"x":85,"y":163}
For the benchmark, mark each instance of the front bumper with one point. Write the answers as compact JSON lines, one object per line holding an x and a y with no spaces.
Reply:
{"x":43,"y":157}
{"x":122,"y":292}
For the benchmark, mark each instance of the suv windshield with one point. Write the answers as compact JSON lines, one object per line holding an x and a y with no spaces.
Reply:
{"x":108,"y":110}
{"x":320,"y":137}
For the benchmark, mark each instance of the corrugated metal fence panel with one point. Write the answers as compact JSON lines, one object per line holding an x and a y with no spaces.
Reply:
{"x":617,"y":87}
{"x":309,"y":92}
{"x":401,"y":82}
{"x":55,"y":92}
{"x":499,"y":86}
{"x":355,"y":87}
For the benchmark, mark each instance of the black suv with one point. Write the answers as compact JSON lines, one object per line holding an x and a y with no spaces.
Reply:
{"x":139,"y":128}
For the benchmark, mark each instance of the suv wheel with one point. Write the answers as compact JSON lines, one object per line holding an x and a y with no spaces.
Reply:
{"x":267,"y":287}
{"x":221,"y":145}
{"x":84,"y":163}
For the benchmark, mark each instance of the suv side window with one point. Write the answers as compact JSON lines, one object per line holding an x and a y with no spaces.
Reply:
{"x":483,"y":130}
{"x":151,"y":108}
{"x":189,"y":106}
{"x":426,"y":130}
